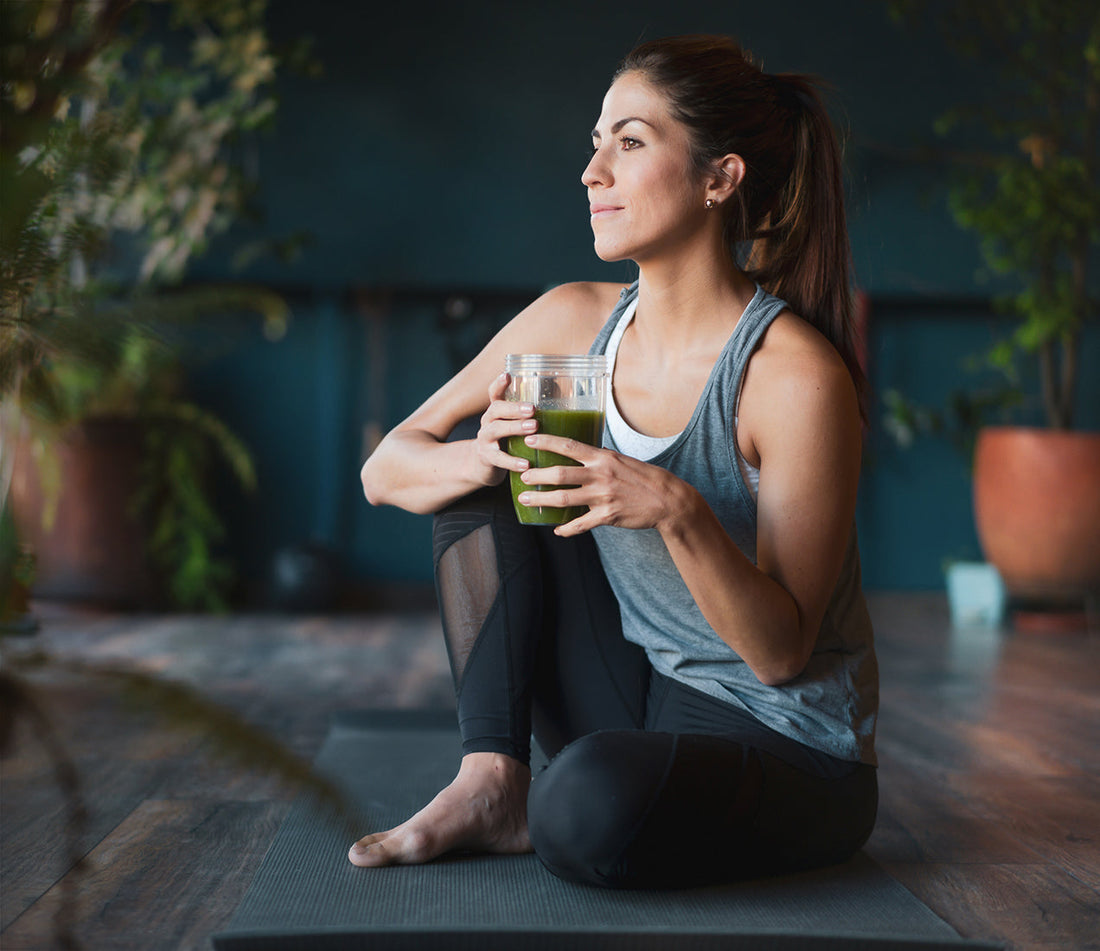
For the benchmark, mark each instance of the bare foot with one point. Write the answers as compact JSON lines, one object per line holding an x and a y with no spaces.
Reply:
{"x":484,"y":809}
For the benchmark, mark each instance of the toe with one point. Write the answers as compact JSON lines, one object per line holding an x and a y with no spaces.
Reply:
{"x":367,"y":852}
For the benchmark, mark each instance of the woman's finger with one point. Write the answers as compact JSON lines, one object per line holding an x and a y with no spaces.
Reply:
{"x":503,"y":459}
{"x":496,"y":434}
{"x":557,"y":475}
{"x":574,"y":449}
{"x":502,"y":421}
{"x":548,"y":498}
{"x":499,"y":387}
{"x":494,"y":430}
{"x":576,"y":526}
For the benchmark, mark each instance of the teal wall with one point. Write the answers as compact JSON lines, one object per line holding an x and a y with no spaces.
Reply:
{"x":441,"y":153}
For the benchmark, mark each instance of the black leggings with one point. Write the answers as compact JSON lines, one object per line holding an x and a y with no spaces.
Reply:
{"x":651,"y":783}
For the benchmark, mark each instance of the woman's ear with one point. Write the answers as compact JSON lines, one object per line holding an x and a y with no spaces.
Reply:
{"x":729,"y":171}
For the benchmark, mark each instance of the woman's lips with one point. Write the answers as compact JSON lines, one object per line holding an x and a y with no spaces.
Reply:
{"x":595,"y":210}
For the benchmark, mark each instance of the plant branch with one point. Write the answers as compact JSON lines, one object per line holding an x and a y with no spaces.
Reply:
{"x":178,"y":706}
{"x":17,"y":701}
{"x":1070,"y":350}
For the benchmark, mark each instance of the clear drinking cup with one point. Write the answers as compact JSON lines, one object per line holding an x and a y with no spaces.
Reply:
{"x":569,"y":393}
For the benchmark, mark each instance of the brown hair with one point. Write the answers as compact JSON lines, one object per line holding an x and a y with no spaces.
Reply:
{"x":786,"y":224}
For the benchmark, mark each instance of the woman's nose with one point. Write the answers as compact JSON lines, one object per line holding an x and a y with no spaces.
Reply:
{"x":595,"y":173}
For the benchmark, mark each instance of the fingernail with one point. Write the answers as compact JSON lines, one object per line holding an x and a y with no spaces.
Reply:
{"x":530,"y":440}
{"x":529,"y":425}
{"x":359,"y":848}
{"x":525,"y":498}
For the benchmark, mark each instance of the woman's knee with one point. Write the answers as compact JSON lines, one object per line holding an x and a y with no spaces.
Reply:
{"x":806,"y":821}
{"x":586,"y":806}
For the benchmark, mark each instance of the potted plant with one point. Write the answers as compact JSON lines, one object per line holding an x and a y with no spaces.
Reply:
{"x":119,"y":127}
{"x":111,"y":480}
{"x":1032,"y":196}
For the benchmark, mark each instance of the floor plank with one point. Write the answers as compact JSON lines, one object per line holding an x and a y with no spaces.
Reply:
{"x":921,"y":823}
{"x":990,"y":774}
{"x":168,"y":876}
{"x":36,"y":814}
{"x":1037,"y":907}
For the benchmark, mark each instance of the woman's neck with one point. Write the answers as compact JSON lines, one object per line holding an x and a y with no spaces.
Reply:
{"x":686,"y":301}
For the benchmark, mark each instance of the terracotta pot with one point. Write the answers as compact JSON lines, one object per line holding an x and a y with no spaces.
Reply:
{"x":1037,"y":510}
{"x":95,"y":549}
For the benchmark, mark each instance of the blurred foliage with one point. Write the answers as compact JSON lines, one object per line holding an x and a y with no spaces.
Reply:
{"x":123,"y":132}
{"x":121,"y":129}
{"x":1030,"y":192}
{"x":958,"y":421}
{"x":16,"y":576}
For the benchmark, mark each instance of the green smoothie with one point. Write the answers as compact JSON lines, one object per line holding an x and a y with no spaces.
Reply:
{"x":584,"y":425}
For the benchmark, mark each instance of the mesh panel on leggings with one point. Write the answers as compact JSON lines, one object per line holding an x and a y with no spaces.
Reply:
{"x":468,"y":584}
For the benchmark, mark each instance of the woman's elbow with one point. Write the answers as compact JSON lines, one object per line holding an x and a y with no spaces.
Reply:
{"x":779,"y":671}
{"x":785,"y":654}
{"x":373,"y":484}
{"x":385,"y":485}
{"x":782,"y":666}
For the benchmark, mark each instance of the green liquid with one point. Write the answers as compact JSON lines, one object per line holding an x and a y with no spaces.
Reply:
{"x":584,"y":425}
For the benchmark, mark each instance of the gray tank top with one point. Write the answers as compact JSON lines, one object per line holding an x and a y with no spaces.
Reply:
{"x":832,"y":705}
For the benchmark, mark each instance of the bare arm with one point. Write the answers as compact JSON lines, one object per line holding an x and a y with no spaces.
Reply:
{"x":414,"y":467}
{"x":808,"y":434}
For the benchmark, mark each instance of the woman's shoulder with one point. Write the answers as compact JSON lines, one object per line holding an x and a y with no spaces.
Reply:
{"x":566,"y":317}
{"x":793,"y":348}
{"x":586,"y":300}
{"x":795,"y":365}
{"x":563,"y":319}
{"x":797,"y":395}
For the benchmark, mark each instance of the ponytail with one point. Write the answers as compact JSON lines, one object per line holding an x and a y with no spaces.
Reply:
{"x":786,"y":223}
{"x":800,"y":250}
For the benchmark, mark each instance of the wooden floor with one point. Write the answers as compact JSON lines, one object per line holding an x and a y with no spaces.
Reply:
{"x":989,"y":745}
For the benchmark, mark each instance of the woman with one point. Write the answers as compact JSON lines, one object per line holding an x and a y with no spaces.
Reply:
{"x":693,"y":653}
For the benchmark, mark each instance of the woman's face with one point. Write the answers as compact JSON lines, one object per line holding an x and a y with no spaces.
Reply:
{"x":645,"y":196}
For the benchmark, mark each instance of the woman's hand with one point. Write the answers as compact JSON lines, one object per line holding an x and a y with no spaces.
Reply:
{"x":617,"y":489}
{"x":501,"y":420}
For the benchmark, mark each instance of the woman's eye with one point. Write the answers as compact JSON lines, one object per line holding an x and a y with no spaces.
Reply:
{"x":628,"y":143}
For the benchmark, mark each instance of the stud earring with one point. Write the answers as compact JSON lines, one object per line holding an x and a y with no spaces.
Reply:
{"x":710,"y":203}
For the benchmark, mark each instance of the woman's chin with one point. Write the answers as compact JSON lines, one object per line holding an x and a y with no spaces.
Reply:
{"x":609,"y":254}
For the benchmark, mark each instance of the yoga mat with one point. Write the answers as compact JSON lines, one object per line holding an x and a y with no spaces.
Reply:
{"x":306,"y":896}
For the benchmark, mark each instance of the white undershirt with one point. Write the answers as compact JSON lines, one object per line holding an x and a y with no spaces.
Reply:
{"x":639,"y":445}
